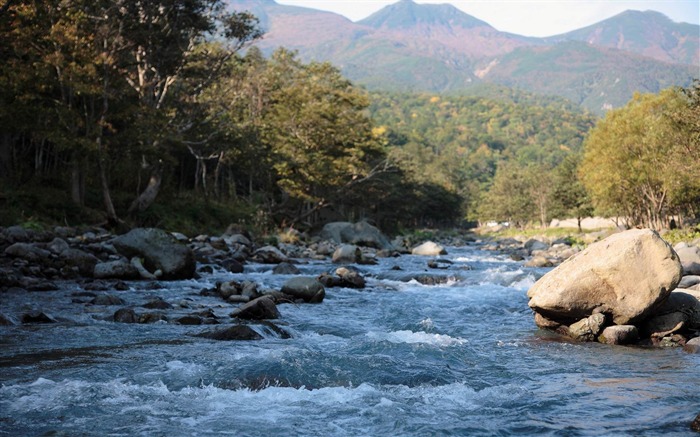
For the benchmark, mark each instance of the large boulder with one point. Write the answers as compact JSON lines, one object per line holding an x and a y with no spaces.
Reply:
{"x":308,"y":289}
{"x":115,"y":270}
{"x":429,"y":248}
{"x":626,"y":276}
{"x":690,"y":259}
{"x":360,"y":234}
{"x":160,"y":251}
{"x":347,"y":254}
{"x":680,"y":311}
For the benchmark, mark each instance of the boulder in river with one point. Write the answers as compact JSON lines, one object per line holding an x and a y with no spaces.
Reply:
{"x":270,"y":255}
{"x":235,"y":332}
{"x":589,"y":328}
{"x":690,"y":259}
{"x":619,"y":335}
{"x":159,"y":250}
{"x":347,"y":254}
{"x":118,"y":269}
{"x":626,"y":276}
{"x":261,"y":308}
{"x":429,"y":248}
{"x":360,"y":234}
{"x":310,"y":290}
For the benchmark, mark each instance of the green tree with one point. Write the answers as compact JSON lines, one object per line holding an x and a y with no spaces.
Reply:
{"x":636,"y":160}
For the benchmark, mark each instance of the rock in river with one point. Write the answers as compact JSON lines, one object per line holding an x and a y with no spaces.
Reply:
{"x":308,"y":289}
{"x":160,"y":251}
{"x":626,"y":275}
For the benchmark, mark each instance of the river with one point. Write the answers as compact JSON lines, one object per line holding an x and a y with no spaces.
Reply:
{"x":396,"y":358}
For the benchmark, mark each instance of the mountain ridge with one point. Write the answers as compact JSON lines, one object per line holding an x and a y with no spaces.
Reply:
{"x":439,"y":48}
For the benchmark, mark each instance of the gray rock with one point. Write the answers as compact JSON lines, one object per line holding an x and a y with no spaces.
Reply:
{"x":285,"y":269}
{"x":85,"y":262}
{"x":619,"y":335}
{"x":359,"y":234}
{"x":589,"y":328}
{"x":58,"y":245}
{"x":347,"y":254}
{"x":532,"y":245}
{"x":27,"y":251}
{"x":270,"y":255}
{"x":429,"y":248}
{"x":539,"y":262}
{"x":262,"y":308}
{"x":308,"y":289}
{"x":350,"y":278}
{"x":236,"y":332}
{"x":125,"y":315}
{"x":15,"y":234}
{"x":159,"y":250}
{"x":689,"y":281}
{"x":107,"y":300}
{"x":690,"y":259}
{"x":627,"y":275}
{"x":115,"y":270}
{"x":692,"y":346}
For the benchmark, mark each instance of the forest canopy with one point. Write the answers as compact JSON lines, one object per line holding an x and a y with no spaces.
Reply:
{"x":113,"y":110}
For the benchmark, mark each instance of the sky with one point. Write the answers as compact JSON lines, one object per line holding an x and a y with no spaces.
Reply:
{"x":525,"y":17}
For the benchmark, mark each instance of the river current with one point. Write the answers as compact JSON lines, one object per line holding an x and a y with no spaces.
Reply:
{"x":396,"y":358}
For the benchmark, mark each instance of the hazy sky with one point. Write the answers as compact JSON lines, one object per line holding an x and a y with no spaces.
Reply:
{"x":525,"y":17}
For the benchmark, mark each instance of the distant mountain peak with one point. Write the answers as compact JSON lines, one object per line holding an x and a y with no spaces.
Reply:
{"x":407,"y":14}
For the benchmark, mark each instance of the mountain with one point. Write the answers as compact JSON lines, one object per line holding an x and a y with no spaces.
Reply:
{"x":647,"y":33}
{"x":438,"y":48}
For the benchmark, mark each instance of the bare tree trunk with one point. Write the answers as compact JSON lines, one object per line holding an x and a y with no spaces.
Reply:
{"x":106,"y":196}
{"x":149,"y":194}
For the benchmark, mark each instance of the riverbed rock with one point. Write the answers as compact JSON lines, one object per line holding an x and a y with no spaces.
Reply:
{"x":285,"y":269}
{"x":125,"y":315}
{"x":15,"y":234}
{"x":690,"y":259}
{"x":689,"y":281}
{"x":310,"y":290}
{"x":627,"y":276}
{"x":349,"y":278}
{"x":270,"y":255}
{"x":85,"y":262}
{"x":692,"y":346}
{"x":680,"y":311}
{"x":347,"y":254}
{"x":539,"y":262}
{"x":27,"y":251}
{"x":262,"y":308}
{"x":159,"y":250}
{"x":235,"y":332}
{"x":37,"y":317}
{"x":429,"y":248}
{"x":118,"y":269}
{"x":107,"y":300}
{"x":619,"y":335}
{"x":589,"y":328}
{"x":533,"y":244}
{"x":359,"y":234}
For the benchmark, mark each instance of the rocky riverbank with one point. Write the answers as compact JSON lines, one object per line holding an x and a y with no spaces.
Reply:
{"x":578,"y":306}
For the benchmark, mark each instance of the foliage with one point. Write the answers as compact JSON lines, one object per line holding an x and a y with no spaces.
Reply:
{"x":639,"y":163}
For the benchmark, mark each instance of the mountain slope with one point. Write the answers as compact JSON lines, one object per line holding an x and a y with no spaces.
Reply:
{"x":647,"y":33}
{"x":438,"y":48}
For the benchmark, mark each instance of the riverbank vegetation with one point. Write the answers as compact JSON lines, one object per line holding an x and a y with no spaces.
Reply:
{"x":161,"y":114}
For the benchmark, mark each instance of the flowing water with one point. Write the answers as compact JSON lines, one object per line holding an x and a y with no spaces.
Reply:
{"x":397,"y":358}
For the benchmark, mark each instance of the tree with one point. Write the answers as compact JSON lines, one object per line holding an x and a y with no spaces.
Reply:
{"x":569,"y":197}
{"x":637,"y":161}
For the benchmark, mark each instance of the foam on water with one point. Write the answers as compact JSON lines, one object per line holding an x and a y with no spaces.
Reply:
{"x":411,"y":337}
